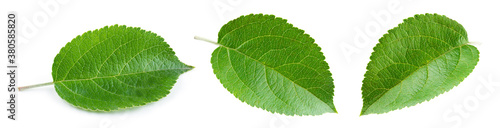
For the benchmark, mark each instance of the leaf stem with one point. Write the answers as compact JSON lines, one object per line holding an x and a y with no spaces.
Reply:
{"x":474,"y":43}
{"x":206,"y":40}
{"x":34,"y":86}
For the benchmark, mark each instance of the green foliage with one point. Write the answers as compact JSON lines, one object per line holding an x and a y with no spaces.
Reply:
{"x":422,"y":57}
{"x":115,"y":67}
{"x":266,"y":62}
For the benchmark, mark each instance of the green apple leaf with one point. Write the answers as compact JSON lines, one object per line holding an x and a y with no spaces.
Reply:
{"x":267,"y":63}
{"x":115,"y":67}
{"x":421,"y":58}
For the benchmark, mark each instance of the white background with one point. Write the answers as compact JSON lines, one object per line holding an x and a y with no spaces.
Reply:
{"x":199,"y":100}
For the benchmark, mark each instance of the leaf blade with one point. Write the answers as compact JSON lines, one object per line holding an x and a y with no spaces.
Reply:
{"x":247,"y":65}
{"x":115,"y":67}
{"x":403,"y":59}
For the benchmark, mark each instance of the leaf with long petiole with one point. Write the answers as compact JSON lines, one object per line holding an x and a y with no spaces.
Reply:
{"x":115,"y":67}
{"x":266,"y":62}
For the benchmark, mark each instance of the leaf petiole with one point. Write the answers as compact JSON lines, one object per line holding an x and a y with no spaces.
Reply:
{"x":475,"y":43}
{"x":34,"y":86}
{"x":206,"y":40}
